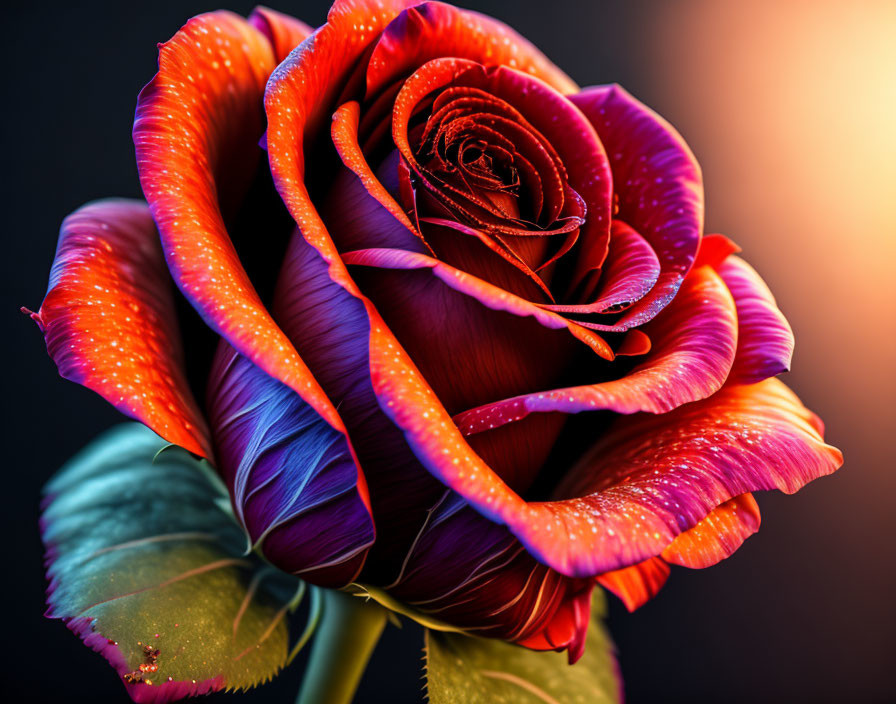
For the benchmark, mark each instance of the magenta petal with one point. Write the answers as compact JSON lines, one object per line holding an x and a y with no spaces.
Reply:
{"x":659,"y":185}
{"x":655,"y":476}
{"x":293,"y":479}
{"x":765,"y":340}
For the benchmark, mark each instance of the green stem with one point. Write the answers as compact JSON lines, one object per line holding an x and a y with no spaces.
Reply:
{"x":348,"y":631}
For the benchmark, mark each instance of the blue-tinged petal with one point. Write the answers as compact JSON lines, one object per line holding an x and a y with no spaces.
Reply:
{"x":294,"y":480}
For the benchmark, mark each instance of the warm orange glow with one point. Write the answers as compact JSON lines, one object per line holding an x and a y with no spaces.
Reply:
{"x":791,"y":109}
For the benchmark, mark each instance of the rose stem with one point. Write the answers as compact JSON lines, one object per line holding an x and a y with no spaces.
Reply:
{"x":348,"y":631}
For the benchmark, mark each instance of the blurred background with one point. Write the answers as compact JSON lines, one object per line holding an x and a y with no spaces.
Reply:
{"x":790,"y":107}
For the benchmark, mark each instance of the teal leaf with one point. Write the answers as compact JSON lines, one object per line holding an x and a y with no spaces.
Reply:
{"x":148,"y":567}
{"x":463,"y":669}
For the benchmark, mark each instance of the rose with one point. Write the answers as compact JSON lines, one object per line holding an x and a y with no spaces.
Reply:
{"x":500,"y":363}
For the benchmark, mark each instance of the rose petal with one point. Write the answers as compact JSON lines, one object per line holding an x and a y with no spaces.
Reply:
{"x":283,"y":31}
{"x":473,"y":574}
{"x":484,"y":257}
{"x":630,"y":273}
{"x":199,"y":119}
{"x":360,"y":211}
{"x":110,"y":324}
{"x":482,"y":291}
{"x":331,"y":328}
{"x":659,"y":185}
{"x":637,"y":584}
{"x":542,"y":123}
{"x":294,"y":481}
{"x":654,"y":477}
{"x":765,"y":340}
{"x":693,"y":346}
{"x":717,"y":536}
{"x":433,"y":29}
{"x":714,"y":249}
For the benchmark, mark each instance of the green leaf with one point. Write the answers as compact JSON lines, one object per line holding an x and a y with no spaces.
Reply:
{"x":467,"y":670}
{"x":151,"y":571}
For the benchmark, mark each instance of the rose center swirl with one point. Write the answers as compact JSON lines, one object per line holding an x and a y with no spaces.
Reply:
{"x":472,"y":161}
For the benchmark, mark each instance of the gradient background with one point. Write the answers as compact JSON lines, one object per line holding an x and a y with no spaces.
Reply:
{"x":791,"y":109}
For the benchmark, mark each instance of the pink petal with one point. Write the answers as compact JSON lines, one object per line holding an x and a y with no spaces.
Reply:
{"x":630,"y":273}
{"x":654,"y":477}
{"x":765,"y":340}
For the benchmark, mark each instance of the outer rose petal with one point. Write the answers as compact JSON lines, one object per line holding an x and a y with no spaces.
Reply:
{"x":693,"y":341}
{"x":717,"y":536}
{"x":294,"y":481}
{"x":284,"y":32}
{"x":637,"y":584}
{"x":654,"y":477}
{"x":765,"y":340}
{"x":433,"y":29}
{"x":331,"y":328}
{"x":197,"y":129}
{"x":489,"y":582}
{"x":475,"y":575}
{"x":659,"y":185}
{"x":110,"y":323}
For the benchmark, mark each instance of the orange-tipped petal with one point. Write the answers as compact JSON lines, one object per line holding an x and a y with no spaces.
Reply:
{"x":637,"y":584}
{"x":110,"y":324}
{"x":196,"y":132}
{"x":717,"y":536}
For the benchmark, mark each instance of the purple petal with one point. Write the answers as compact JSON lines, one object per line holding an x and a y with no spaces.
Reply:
{"x":293,"y":479}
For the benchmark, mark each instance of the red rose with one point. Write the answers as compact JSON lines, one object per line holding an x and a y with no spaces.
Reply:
{"x":501,"y":362}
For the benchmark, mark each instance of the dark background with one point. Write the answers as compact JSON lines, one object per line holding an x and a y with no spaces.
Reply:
{"x":790,"y":107}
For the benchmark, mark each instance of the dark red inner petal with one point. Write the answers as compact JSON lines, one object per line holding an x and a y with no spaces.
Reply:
{"x":474,"y":159}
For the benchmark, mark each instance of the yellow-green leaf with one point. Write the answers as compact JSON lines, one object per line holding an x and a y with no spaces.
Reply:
{"x":467,"y":670}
